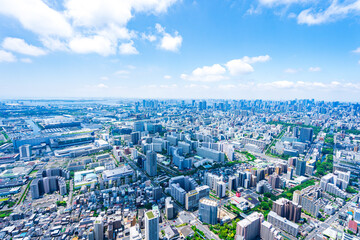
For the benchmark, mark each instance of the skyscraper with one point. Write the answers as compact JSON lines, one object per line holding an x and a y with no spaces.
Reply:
{"x":151,"y":225}
{"x":99,"y":228}
{"x":151,"y":163}
{"x":300,"y":167}
{"x":306,"y":134}
{"x":208,"y":211}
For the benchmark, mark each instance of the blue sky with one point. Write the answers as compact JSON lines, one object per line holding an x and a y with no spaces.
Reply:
{"x":269,"y":49}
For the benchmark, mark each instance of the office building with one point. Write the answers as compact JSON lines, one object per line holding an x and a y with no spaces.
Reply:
{"x":99,"y":228}
{"x":151,"y":163}
{"x":151,"y":225}
{"x":181,"y":185}
{"x":220,"y":189}
{"x":169,"y":208}
{"x":25,"y":152}
{"x":300,"y":167}
{"x":208,"y":211}
{"x":306,"y":135}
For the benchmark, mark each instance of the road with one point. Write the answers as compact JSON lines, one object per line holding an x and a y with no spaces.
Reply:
{"x":69,"y":202}
{"x":330,"y":220}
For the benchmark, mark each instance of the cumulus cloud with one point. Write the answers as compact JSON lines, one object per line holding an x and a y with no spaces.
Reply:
{"x":7,"y":56}
{"x":20,"y":46}
{"x":93,"y":44}
{"x":169,"y":42}
{"x":36,"y":16}
{"x":315,"y":69}
{"x":238,"y":66}
{"x":167,"y":77}
{"x":88,"y":26}
{"x":218,"y":72}
{"x":128,"y":48}
{"x":206,"y":74}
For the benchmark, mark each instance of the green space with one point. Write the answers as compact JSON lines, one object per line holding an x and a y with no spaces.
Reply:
{"x":23,"y":196}
{"x":5,"y":213}
{"x":264,"y":207}
{"x":351,"y":190}
{"x":322,"y":168}
{"x":198,"y":235}
{"x":288,"y":193}
{"x":352,"y":131}
{"x":61,"y":203}
{"x":226,"y":231}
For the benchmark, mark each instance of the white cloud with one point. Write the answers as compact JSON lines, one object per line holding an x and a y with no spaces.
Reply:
{"x":335,"y":11}
{"x":87,"y":26}
{"x":218,"y":72}
{"x":128,"y":48}
{"x":172,"y":86}
{"x":292,"y":70}
{"x":315,"y":69}
{"x":26,"y":60}
{"x":206,"y":74}
{"x":150,"y":37}
{"x":36,"y":16}
{"x":104,"y":78}
{"x":197,"y":86}
{"x":54,"y":44}
{"x":20,"y":46}
{"x":252,"y":60}
{"x":238,"y":66}
{"x":94,"y":44}
{"x":356,"y":50}
{"x":102,"y":86}
{"x":242,"y":66}
{"x":169,"y":42}
{"x":280,"y":2}
{"x":122,"y":72}
{"x":7,"y":56}
{"x":167,"y":77}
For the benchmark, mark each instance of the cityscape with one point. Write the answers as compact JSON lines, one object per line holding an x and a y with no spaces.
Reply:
{"x":179,"y":120}
{"x":179,"y":169}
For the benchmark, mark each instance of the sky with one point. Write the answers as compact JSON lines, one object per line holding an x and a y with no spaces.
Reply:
{"x":184,"y":49}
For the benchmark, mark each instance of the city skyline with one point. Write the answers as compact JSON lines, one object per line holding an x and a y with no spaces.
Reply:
{"x":169,"y":49}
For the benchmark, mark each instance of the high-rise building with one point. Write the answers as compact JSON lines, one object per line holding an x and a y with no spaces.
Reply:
{"x":151,"y":225}
{"x":268,"y":232}
{"x":287,"y":209}
{"x":249,"y":228}
{"x":300,"y":167}
{"x":220,"y":189}
{"x":25,"y":152}
{"x":306,"y":134}
{"x":151,"y":163}
{"x":208,"y":211}
{"x":99,"y":228}
{"x":169,"y":208}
